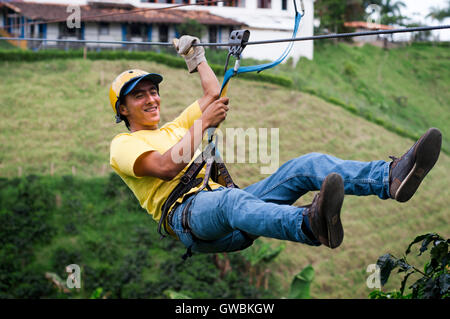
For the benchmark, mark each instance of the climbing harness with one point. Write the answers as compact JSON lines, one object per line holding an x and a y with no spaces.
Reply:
{"x":215,"y":168}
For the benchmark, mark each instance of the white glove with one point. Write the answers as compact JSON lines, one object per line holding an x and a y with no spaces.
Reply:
{"x":192,"y":55}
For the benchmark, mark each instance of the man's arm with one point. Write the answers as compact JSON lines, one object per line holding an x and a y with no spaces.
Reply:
{"x":196,"y":62}
{"x":164,"y":166}
{"x":213,"y":109}
{"x":210,"y":85}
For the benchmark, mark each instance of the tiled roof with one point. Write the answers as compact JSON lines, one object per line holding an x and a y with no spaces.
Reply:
{"x":91,"y":12}
{"x":368,"y":26}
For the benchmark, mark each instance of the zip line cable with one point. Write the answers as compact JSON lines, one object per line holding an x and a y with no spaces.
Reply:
{"x":201,"y":3}
{"x":316,"y":37}
{"x":352,"y":34}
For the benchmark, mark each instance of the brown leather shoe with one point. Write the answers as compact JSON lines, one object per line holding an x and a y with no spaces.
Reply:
{"x":324,"y":212}
{"x":407,"y":172}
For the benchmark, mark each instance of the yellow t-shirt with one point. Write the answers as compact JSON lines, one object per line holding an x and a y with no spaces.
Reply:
{"x":152,"y":192}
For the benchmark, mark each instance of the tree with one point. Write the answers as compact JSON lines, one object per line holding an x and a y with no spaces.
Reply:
{"x":191,"y":27}
{"x":439,"y":14}
{"x":333,"y":13}
{"x":390,"y":10}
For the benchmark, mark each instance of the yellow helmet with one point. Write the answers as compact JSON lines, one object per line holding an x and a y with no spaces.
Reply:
{"x":124,"y":83}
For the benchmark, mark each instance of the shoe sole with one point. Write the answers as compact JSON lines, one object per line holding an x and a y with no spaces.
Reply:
{"x":333,"y":194}
{"x":427,"y":154}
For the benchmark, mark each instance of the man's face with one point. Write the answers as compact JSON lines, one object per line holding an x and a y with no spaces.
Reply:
{"x":142,"y":106}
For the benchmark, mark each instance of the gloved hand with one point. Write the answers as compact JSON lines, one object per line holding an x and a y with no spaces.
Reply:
{"x":192,"y":55}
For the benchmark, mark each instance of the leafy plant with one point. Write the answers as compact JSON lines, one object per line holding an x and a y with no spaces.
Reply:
{"x":191,"y":27}
{"x":301,"y":283}
{"x":434,"y":282}
{"x":175,"y":295}
{"x":258,"y":256}
{"x":97,"y":293}
{"x":262,"y":253}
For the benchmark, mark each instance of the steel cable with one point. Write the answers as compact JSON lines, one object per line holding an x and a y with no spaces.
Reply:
{"x":310,"y":38}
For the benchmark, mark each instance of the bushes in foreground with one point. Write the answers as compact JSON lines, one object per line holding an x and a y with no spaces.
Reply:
{"x":49,"y":223}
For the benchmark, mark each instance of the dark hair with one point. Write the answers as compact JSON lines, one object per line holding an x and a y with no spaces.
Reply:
{"x":126,"y":121}
{"x":123,"y":117}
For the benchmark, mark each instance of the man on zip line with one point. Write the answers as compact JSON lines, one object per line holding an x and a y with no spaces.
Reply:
{"x":224,"y":219}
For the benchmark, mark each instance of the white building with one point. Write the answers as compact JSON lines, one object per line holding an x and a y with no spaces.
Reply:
{"x":266,"y":20}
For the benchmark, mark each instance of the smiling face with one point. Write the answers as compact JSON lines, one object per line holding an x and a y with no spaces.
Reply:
{"x":142,"y":106}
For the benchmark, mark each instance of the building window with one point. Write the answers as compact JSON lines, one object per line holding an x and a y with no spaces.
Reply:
{"x":135,"y":30}
{"x":32,"y":30}
{"x":167,"y":1}
{"x":235,"y":3}
{"x":103,"y":28}
{"x":283,"y":4}
{"x":163,"y":33}
{"x":207,"y":3}
{"x":66,"y":32}
{"x":212,"y":34}
{"x":14,"y":23}
{"x":42,"y":31}
{"x":264,"y":4}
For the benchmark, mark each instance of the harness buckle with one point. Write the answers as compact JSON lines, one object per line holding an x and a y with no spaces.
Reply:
{"x":184,"y":179}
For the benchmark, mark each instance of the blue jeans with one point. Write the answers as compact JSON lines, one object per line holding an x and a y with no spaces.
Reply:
{"x":222,"y":220}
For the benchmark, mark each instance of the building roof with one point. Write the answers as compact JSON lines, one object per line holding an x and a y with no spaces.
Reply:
{"x":367,"y":26}
{"x":116,"y":13}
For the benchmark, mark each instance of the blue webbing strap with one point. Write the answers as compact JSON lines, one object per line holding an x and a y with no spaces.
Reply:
{"x":246,"y":69}
{"x":261,"y":67}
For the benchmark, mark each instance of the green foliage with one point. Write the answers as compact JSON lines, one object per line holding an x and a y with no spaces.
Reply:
{"x":349,"y":69}
{"x":301,"y":283}
{"x":97,"y":293}
{"x":175,"y":295}
{"x":5,"y":45}
{"x":115,"y":244}
{"x":332,"y":14}
{"x":261,"y":253}
{"x":24,"y":224}
{"x":435,"y":280}
{"x":440,"y":14}
{"x":388,"y":88}
{"x":390,"y":10}
{"x":191,"y":27}
{"x":167,"y":59}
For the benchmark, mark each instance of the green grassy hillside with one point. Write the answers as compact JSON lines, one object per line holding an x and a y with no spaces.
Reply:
{"x":406,"y":87}
{"x":55,"y":119}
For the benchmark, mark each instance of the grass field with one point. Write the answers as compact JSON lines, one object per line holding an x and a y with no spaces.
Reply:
{"x":406,"y":86}
{"x":56,"y":119}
